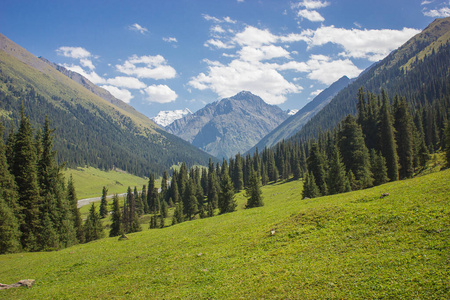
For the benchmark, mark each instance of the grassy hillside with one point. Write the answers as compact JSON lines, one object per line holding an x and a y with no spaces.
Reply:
{"x":354,"y":245}
{"x":90,"y":181}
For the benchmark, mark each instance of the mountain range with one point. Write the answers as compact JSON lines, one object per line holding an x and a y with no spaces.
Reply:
{"x":167,"y":117}
{"x":229,"y":126}
{"x":89,"y":129}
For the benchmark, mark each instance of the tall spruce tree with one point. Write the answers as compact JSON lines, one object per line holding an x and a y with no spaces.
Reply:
{"x":93,"y":228}
{"x":378,"y":168}
{"x":116,"y":218}
{"x":316,"y":165}
{"x":337,"y":181}
{"x":310,"y":189}
{"x":9,"y":229}
{"x":104,"y":203}
{"x":404,"y":136}
{"x":238,"y":175}
{"x":25,"y":174}
{"x":355,"y":154}
{"x":447,"y":143}
{"x":227,"y":201}
{"x":388,"y":145}
{"x":76,"y":215}
{"x":253,"y":191}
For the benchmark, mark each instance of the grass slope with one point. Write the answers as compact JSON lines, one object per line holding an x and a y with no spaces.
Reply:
{"x":354,"y":245}
{"x":89,"y":181}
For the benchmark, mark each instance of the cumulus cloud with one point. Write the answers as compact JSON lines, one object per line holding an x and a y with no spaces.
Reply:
{"x":170,"y":40}
{"x":92,"y":76}
{"x":311,"y":4}
{"x":248,"y":53}
{"x":311,"y":15}
{"x":126,"y":82}
{"x":216,"y":43}
{"x":160,"y":93}
{"x":323,"y":69}
{"x":260,"y":78}
{"x":154,"y":67}
{"x":443,"y":12}
{"x":252,"y":36}
{"x":138,"y":28}
{"x":73,"y":52}
{"x":122,"y":94}
{"x":315,"y":93}
{"x":217,"y":20}
{"x":370,"y":44}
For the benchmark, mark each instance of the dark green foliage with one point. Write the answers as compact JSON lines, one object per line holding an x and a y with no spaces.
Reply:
{"x":316,"y":166}
{"x":253,"y":191}
{"x":378,"y":168}
{"x":93,"y":228}
{"x":116,"y":218}
{"x":164,"y":209}
{"x":9,"y":229}
{"x":447,"y":144}
{"x":337,"y":181}
{"x":76,"y":216}
{"x":104,"y":203}
{"x":227,"y":201}
{"x":178,"y":215}
{"x":388,"y":145}
{"x":354,"y":152}
{"x":404,"y":137}
{"x":310,"y":189}
{"x":24,"y":171}
{"x":238,"y":175}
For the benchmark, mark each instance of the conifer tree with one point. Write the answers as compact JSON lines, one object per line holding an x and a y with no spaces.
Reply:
{"x":378,"y":168}
{"x":337,"y":181}
{"x":310,"y":189}
{"x":76,"y":215}
{"x":447,"y":143}
{"x":104,"y":203}
{"x":144,"y":199}
{"x":178,"y":215}
{"x":213,"y":189}
{"x":404,"y":136}
{"x":25,"y":174}
{"x":116,"y":218}
{"x":227,"y":201}
{"x":164,"y":209}
{"x":388,"y":145}
{"x":93,"y":227}
{"x":316,"y":165}
{"x":138,"y":201}
{"x":253,"y":191}
{"x":354,"y":152}
{"x":238,"y":175}
{"x":164,"y":187}
{"x":9,"y":229}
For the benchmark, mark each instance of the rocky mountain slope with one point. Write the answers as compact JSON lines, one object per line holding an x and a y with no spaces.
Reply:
{"x":167,"y":117}
{"x":229,"y":126}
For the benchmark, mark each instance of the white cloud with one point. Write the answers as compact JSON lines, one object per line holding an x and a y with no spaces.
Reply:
{"x":252,"y":36}
{"x":323,"y":69}
{"x":122,"y":94}
{"x":126,"y":82}
{"x":259,"y":78}
{"x":160,"y":94}
{"x":311,"y":15}
{"x":217,"y":20}
{"x":73,"y":52}
{"x":170,"y":40}
{"x":425,"y":2}
{"x":91,"y":76}
{"x":311,"y":4}
{"x":316,"y":92}
{"x":87,"y":63}
{"x":248,"y":53}
{"x":154,"y":67}
{"x":218,"y":44}
{"x":138,"y":28}
{"x":218,"y":29}
{"x":438,"y":13}
{"x":371,"y":44}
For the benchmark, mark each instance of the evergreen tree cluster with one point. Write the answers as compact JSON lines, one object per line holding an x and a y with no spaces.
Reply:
{"x":38,"y":210}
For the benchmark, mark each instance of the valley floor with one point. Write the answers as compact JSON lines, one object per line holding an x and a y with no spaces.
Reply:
{"x":356,"y":245}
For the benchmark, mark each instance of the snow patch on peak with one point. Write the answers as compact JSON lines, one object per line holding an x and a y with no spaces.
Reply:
{"x":167,"y":117}
{"x":292,"y":112}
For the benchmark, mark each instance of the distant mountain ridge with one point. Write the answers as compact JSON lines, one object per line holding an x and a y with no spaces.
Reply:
{"x":229,"y":126}
{"x":89,"y":129}
{"x":403,"y":72}
{"x":294,"y":123}
{"x":167,"y":117}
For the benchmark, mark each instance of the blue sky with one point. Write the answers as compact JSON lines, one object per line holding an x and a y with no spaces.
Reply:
{"x":175,"y":54}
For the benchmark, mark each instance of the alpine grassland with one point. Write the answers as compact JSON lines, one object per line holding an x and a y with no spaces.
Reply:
{"x":391,"y":241}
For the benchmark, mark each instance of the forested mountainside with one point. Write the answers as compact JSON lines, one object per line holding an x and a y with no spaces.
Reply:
{"x":89,"y":130}
{"x":229,"y":126}
{"x":418,"y":70}
{"x":294,"y":123}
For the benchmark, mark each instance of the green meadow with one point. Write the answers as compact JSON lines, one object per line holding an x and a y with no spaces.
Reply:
{"x":357,"y":245}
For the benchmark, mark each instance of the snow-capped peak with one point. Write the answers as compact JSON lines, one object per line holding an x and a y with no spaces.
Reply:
{"x":292,"y":111}
{"x":167,"y":117}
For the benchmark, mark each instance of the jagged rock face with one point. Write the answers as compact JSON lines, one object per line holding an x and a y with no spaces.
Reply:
{"x":229,"y":126}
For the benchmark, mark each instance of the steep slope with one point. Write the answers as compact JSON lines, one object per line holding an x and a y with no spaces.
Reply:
{"x":230,"y":125}
{"x":414,"y":70}
{"x":89,"y":129}
{"x":296,"y":122}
